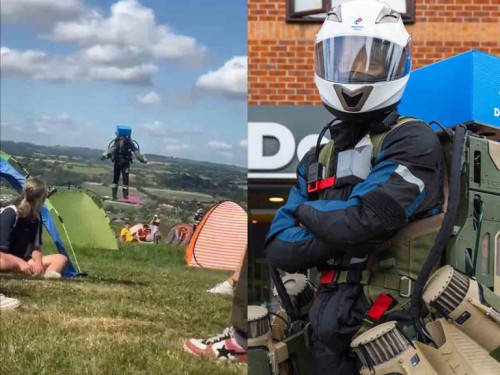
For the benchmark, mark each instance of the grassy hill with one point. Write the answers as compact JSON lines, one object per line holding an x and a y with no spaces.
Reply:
{"x":168,"y":186}
{"x":130,"y":316}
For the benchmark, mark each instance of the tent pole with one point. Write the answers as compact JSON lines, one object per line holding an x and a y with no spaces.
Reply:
{"x":71,"y":248}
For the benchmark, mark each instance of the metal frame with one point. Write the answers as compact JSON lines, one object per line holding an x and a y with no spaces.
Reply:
{"x":301,"y":17}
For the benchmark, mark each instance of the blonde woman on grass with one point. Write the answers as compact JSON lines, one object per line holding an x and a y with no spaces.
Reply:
{"x":21,"y":236}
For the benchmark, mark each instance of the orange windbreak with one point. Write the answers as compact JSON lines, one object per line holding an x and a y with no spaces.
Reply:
{"x":220,"y":240}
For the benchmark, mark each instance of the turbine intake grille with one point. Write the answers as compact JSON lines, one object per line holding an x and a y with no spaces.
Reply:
{"x":453,"y":295}
{"x":383,"y":348}
{"x":258,"y":322}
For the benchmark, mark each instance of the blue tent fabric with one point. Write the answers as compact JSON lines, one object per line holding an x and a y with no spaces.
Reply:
{"x":11,"y":175}
{"x":70,"y":270}
{"x":464,"y":88}
{"x":17,"y":181}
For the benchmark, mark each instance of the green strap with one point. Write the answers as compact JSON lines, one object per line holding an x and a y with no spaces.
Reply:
{"x":378,"y":139}
{"x":325,"y":156}
{"x":402,"y":284}
{"x":341,"y":277}
{"x":391,"y":281}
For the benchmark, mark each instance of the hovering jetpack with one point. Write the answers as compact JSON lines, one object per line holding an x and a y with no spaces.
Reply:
{"x":462,"y":330}
{"x":120,"y":152}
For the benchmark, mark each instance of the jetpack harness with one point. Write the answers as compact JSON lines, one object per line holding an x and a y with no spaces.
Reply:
{"x":123,"y":146}
{"x":353,"y":166}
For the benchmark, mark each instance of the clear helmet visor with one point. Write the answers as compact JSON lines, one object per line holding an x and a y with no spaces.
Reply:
{"x":361,"y":59}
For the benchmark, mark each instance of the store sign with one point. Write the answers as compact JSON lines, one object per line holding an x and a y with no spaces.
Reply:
{"x":279,"y":136}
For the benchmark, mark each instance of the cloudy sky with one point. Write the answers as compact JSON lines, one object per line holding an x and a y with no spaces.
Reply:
{"x":175,"y":71}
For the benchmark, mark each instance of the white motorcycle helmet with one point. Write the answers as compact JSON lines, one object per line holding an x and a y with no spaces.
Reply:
{"x":362,"y":59}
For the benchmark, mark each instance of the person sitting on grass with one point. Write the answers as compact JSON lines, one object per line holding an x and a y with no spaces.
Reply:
{"x":155,"y":229}
{"x":142,"y":233}
{"x":155,"y":221}
{"x":126,"y":234}
{"x":21,"y":235}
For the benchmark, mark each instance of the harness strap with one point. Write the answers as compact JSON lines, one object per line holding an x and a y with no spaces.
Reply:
{"x":401,"y":284}
{"x":327,"y":277}
{"x":353,"y":277}
{"x":379,"y":138}
{"x":320,"y":184}
{"x":379,"y":307}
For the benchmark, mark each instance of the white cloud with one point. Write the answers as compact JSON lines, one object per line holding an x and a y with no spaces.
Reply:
{"x":56,"y":129}
{"x":171,"y":141}
{"x":40,"y":12}
{"x":112,"y":54}
{"x":133,"y":26}
{"x":243,"y":143}
{"x":122,"y":47}
{"x":230,"y":80}
{"x":228,"y":155}
{"x":220,"y":146}
{"x":155,"y":129}
{"x":49,"y":129}
{"x":64,"y":118}
{"x":177,"y":149}
{"x":149,"y":98}
{"x":136,"y":74}
{"x":37,"y":65}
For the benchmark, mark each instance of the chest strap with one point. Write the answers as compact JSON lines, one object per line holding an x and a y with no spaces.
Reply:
{"x":320,"y":184}
{"x":345,"y":277}
{"x":402,"y":284}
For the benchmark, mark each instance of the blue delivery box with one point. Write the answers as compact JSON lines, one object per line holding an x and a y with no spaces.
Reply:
{"x":462,"y":89}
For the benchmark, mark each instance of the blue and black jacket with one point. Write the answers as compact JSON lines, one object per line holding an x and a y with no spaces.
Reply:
{"x":351,"y":221}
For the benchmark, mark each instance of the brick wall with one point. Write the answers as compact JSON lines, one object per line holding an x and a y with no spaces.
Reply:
{"x":281,"y":55}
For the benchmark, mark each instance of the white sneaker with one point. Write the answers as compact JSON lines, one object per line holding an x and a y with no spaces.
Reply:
{"x":7,"y":303}
{"x":51,"y":275}
{"x":222,"y":347}
{"x":224,"y":288}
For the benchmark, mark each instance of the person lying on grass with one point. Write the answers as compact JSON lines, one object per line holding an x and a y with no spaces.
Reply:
{"x":21,"y":235}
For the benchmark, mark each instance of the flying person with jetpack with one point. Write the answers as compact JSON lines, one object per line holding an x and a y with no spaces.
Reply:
{"x":120,"y":152}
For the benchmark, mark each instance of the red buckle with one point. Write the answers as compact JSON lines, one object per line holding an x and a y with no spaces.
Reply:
{"x":380,"y":306}
{"x":327,"y":277}
{"x":320,"y":184}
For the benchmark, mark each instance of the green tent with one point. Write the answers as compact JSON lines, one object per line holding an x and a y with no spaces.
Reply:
{"x":87,"y":224}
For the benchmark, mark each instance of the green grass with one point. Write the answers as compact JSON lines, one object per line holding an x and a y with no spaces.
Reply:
{"x":129,"y":316}
{"x":180,"y":195}
{"x":106,"y":189}
{"x":85,"y":169}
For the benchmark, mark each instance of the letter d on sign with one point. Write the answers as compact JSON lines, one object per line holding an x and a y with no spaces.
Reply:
{"x":257,"y":131}
{"x":497,"y":112}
